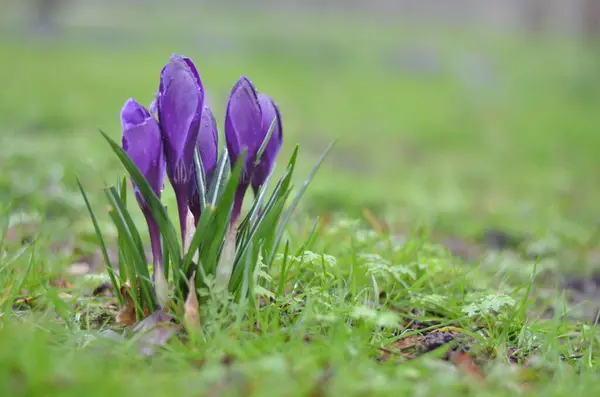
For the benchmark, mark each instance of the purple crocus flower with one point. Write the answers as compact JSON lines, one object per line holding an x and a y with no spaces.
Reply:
{"x":142,"y":141}
{"x":180,"y":102}
{"x":249,"y":116}
{"x":207,"y":144}
{"x":270,"y":113}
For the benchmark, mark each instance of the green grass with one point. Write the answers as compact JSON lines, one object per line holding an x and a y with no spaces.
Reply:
{"x":432,"y":154}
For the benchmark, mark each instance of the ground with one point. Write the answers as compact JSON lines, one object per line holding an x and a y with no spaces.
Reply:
{"x":458,"y":211}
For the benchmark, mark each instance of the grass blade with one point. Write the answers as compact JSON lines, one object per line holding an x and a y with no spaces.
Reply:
{"x":166,"y":255}
{"x":283,"y":271}
{"x":288,"y":213}
{"x":250,"y":217}
{"x":137,"y":239}
{"x":197,"y":239}
{"x":265,"y":142}
{"x":219,"y":178}
{"x":121,"y":243}
{"x":222,"y":215}
{"x":166,"y":227}
{"x":4,"y":233}
{"x":273,"y":209}
{"x":131,"y":236}
{"x":109,"y":267}
{"x":253,"y":229}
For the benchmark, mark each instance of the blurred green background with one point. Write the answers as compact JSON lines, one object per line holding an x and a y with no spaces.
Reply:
{"x":470,"y":115}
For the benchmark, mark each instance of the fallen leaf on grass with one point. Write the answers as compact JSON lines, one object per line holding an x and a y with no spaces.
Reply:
{"x":155,"y":330}
{"x":405,"y":347}
{"x":410,"y":342}
{"x":22,"y":232}
{"x":112,"y":335}
{"x":321,"y":384}
{"x":61,"y":283}
{"x":466,"y":363}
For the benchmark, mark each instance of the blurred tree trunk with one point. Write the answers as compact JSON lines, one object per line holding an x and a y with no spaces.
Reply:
{"x":534,"y":14}
{"x":591,"y":19}
{"x":45,"y":12}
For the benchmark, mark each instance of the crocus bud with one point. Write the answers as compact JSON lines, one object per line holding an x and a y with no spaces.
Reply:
{"x":142,"y":141}
{"x":180,"y":101}
{"x":246,"y":127}
{"x":207,"y":145}
{"x":270,"y":113}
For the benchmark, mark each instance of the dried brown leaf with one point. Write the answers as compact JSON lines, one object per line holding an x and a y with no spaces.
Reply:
{"x":191,"y":317}
{"x":380,"y":228}
{"x":61,"y":283}
{"x":127,"y":315}
{"x":410,"y":342}
{"x":466,"y":363}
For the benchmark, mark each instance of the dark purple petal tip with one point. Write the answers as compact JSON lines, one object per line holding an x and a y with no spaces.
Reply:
{"x":243,"y":122}
{"x":133,"y":114}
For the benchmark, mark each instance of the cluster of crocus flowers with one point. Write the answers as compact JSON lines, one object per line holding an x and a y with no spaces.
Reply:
{"x":185,"y":125}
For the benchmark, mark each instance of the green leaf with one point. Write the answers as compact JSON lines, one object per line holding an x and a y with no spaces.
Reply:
{"x":265,"y":142}
{"x":109,"y":267}
{"x":283,"y":271}
{"x":253,"y":212}
{"x":276,"y":195}
{"x":121,"y":243}
{"x":211,"y":228}
{"x":201,"y":178}
{"x":137,"y":239}
{"x":123,"y":191}
{"x":131,"y":237}
{"x":222,"y":216}
{"x":287,"y":215}
{"x":166,"y":256}
{"x":198,"y":238}
{"x":219,"y":178}
{"x":4,"y":233}
{"x":129,"y":266}
{"x":159,"y":212}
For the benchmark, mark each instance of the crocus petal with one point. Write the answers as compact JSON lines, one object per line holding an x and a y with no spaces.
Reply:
{"x":243,"y":123}
{"x":207,"y":144}
{"x":270,"y":113}
{"x":142,"y":142}
{"x":180,"y":103}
